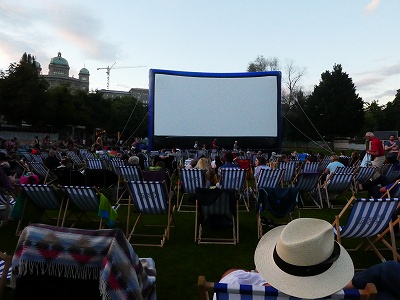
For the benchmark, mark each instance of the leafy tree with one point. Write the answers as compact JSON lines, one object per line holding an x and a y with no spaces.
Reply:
{"x":22,"y":92}
{"x":334,"y":107}
{"x":391,"y":114}
{"x":261,"y":64}
{"x":373,"y":117}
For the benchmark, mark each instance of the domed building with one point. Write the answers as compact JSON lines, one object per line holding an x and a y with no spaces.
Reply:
{"x":59,"y":74}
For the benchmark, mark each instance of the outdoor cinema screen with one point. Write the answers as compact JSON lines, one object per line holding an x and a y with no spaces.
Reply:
{"x":188,"y":106}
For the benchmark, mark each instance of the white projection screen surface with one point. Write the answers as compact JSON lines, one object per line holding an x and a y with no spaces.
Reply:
{"x":188,"y":106}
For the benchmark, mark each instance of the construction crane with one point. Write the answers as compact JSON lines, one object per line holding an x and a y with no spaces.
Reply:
{"x":108,"y":69}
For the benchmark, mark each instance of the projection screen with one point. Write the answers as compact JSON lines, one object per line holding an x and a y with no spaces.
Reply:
{"x":185,"y":107}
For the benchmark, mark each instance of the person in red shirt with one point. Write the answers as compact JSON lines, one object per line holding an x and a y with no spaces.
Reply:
{"x":376,"y":151}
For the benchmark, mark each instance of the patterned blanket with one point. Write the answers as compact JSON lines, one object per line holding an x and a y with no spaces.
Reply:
{"x":84,"y":254}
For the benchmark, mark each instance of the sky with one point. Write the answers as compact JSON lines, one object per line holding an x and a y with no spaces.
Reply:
{"x":215,"y":36}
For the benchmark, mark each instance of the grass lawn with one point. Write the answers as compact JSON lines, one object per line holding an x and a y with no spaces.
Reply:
{"x":181,"y":261}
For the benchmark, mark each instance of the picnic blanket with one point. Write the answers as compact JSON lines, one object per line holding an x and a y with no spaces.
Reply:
{"x":84,"y":254}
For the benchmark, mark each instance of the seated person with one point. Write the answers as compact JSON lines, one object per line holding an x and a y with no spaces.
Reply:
{"x":302,"y":274}
{"x":228,"y":162}
{"x":51,"y":161}
{"x":331,"y":167}
{"x":260,"y":164}
{"x":211,"y":178}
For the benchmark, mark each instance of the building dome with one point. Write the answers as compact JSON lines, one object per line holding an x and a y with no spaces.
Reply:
{"x":84,"y":71}
{"x":58,"y":60}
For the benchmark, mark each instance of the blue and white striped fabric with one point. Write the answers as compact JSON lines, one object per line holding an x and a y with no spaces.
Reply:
{"x":192,"y":179}
{"x":225,"y":291}
{"x":392,"y":172}
{"x":4,"y":199}
{"x":130,"y":173}
{"x":364,"y":173}
{"x":149,"y":197}
{"x":43,"y":196}
{"x":232,"y":178}
{"x":95,"y":164}
{"x":37,"y":158}
{"x":369,"y":217}
{"x":338,"y":182}
{"x":269,"y":178}
{"x":84,"y":198}
{"x":307,"y":181}
{"x":310,"y":167}
{"x":42,"y":171}
{"x":345,"y":170}
{"x":2,"y":265}
{"x":115,"y":162}
{"x":324,"y":163}
{"x":75,"y":158}
{"x":290,"y":170}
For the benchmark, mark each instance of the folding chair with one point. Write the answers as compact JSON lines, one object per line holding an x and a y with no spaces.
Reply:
{"x":95,"y":164}
{"x":324,"y":163}
{"x":37,"y":158}
{"x":151,"y":199}
{"x":44,"y":198}
{"x":45,"y":175}
{"x":85,"y":200}
{"x":392,"y":172}
{"x":336,"y":183}
{"x":115,"y":162}
{"x":280,"y":202}
{"x":308,"y":182}
{"x":235,"y":179}
{"x":290,"y":171}
{"x":253,"y":292}
{"x":269,"y":178}
{"x":5,"y":270}
{"x":190,"y":180}
{"x":310,"y":166}
{"x":7,"y":201}
{"x":216,"y":209}
{"x":159,"y":176}
{"x":369,"y":218}
{"x":126,"y":173}
{"x":77,"y":162}
{"x":363,"y":174}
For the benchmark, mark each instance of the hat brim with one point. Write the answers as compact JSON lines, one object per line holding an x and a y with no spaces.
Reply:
{"x":310,"y":287}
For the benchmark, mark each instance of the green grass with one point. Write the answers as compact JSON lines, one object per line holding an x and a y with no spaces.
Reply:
{"x":181,"y":261}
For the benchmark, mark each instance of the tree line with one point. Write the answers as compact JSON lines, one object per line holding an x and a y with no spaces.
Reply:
{"x":25,"y":96}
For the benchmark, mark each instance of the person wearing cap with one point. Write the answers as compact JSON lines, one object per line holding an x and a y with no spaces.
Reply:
{"x":301,"y":259}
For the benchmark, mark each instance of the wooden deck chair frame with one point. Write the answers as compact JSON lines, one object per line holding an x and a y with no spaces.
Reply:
{"x":232,"y":178}
{"x":44,"y":197}
{"x":252,"y":292}
{"x":190,"y":179}
{"x":222,"y":207}
{"x":126,"y":173}
{"x":5,"y":271}
{"x":42,"y":171}
{"x":369,"y":219}
{"x":149,"y":198}
{"x":84,"y":200}
{"x":336,"y":183}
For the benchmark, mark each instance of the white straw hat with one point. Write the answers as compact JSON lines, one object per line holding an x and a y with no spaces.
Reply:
{"x":303,"y":260}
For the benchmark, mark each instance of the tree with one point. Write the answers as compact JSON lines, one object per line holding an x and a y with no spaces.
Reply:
{"x":22,"y":92}
{"x":293,"y":76}
{"x":373,"y":117}
{"x":391,"y":114}
{"x":260,"y":64}
{"x":334,"y":106}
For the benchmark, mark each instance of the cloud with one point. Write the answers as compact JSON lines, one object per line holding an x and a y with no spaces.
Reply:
{"x":372,"y":5}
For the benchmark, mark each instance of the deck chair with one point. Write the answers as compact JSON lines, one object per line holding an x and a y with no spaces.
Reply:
{"x":5,"y":270}
{"x":45,"y":175}
{"x":363,"y":174}
{"x":95,"y":164}
{"x":269,"y":178}
{"x":290,"y":171}
{"x":369,"y":218}
{"x":324,"y":163}
{"x":77,"y":162}
{"x":159,"y":176}
{"x":190,"y":180}
{"x":216,"y":211}
{"x":308,"y":182}
{"x":235,"y":179}
{"x":7,"y":201}
{"x":113,"y":163}
{"x":392,"y":172}
{"x":44,"y":198}
{"x":149,"y":199}
{"x":253,"y":292}
{"x":336,"y":183}
{"x":280,"y":202}
{"x":126,"y":173}
{"x":310,"y":167}
{"x":83,"y":200}
{"x":37,"y":158}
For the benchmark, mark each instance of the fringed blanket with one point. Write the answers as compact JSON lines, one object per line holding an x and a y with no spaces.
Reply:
{"x":84,"y":254}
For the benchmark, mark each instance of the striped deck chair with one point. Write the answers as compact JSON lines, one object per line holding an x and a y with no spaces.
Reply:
{"x":252,"y":292}
{"x":113,"y":163}
{"x":77,"y":162}
{"x":392,"y":172}
{"x":82,"y":200}
{"x":126,"y":173}
{"x":345,"y":170}
{"x":5,"y":270}
{"x":45,"y":198}
{"x":308,"y":182}
{"x":44,"y":174}
{"x":190,"y":179}
{"x":216,"y":211}
{"x":369,"y":218}
{"x":309,"y":167}
{"x":151,"y":199}
{"x":363,"y":174}
{"x":324,"y":163}
{"x":270,"y":178}
{"x":7,"y":201}
{"x":290,"y":171}
{"x":235,"y":179}
{"x":337,"y":184}
{"x":95,"y":164}
{"x":37,"y":158}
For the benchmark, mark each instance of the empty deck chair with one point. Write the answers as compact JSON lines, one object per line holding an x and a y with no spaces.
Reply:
{"x":95,"y":164}
{"x":217,"y":217}
{"x":252,"y":292}
{"x":151,"y":199}
{"x":45,"y":175}
{"x":83,"y":200}
{"x":5,"y":270}
{"x":336,"y":183}
{"x":290,"y":171}
{"x":190,"y":180}
{"x":126,"y":173}
{"x":45,"y":198}
{"x":369,"y":218}
{"x":310,"y":167}
{"x":308,"y":182}
{"x":269,"y":178}
{"x":77,"y":162}
{"x":235,"y":179}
